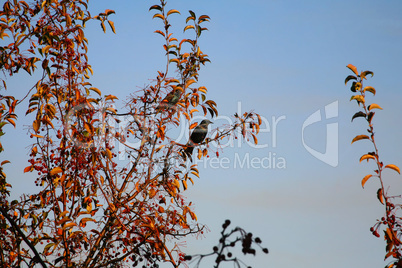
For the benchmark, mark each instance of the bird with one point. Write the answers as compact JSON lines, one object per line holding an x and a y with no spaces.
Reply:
{"x":171,"y":99}
{"x":197,"y":136}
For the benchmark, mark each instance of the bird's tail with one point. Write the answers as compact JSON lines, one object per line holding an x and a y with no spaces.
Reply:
{"x":189,"y":150}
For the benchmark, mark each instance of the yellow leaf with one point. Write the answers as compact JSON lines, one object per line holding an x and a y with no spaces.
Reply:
{"x":36,"y":125}
{"x":188,"y":27}
{"x":110,"y":97}
{"x":189,"y":82}
{"x":172,"y":11}
{"x":159,"y":16}
{"x":365,"y":179}
{"x":89,"y":207}
{"x":174,"y":60}
{"x":374,"y":106}
{"x":176,"y":183}
{"x":96,"y":90}
{"x":359,"y":98}
{"x":199,"y":154}
{"x":56,"y":170}
{"x":394,"y":167}
{"x":88,"y":127}
{"x":84,"y":220}
{"x":369,"y":89}
{"x":203,"y":89}
{"x":367,"y":156}
{"x":353,"y":68}
{"x":69,"y":225}
{"x":360,"y":137}
{"x":109,"y":153}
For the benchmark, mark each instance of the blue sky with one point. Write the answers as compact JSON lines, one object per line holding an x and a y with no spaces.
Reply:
{"x":278,"y":58}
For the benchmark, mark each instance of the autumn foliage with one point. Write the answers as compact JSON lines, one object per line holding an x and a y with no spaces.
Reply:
{"x":89,"y":208}
{"x":391,"y":222}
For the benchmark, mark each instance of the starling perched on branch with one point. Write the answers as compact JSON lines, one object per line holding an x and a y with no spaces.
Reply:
{"x":171,"y":99}
{"x":198,"y":135}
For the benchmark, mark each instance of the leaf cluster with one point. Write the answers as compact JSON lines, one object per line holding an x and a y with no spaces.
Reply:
{"x":89,"y":209}
{"x":392,"y":220}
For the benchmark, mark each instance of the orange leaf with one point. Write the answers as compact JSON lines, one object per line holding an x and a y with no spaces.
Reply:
{"x":176,"y":183}
{"x":56,"y":170}
{"x":110,"y":97}
{"x":255,"y":139}
{"x":353,"y":68}
{"x":193,"y":125}
{"x":69,"y":225}
{"x":28,"y":169}
{"x":360,"y":137}
{"x":367,"y":156}
{"x":394,"y":167}
{"x":36,"y":125}
{"x":172,"y":11}
{"x":365,"y":179}
{"x":374,"y":106}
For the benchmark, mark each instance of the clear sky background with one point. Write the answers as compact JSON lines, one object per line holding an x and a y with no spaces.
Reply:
{"x":281,"y":59}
